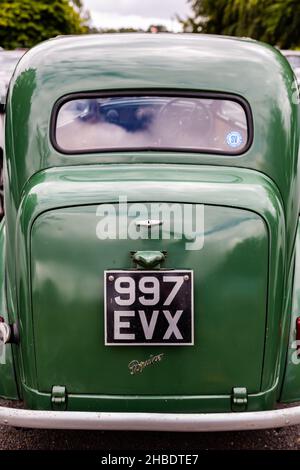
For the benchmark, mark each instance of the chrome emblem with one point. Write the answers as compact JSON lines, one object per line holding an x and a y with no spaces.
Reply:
{"x":148,"y":223}
{"x":137,"y":367}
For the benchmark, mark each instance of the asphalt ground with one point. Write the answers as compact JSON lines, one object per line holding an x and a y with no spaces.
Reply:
{"x":35,"y":439}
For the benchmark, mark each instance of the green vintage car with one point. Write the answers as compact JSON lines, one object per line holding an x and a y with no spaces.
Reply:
{"x":150,"y":249}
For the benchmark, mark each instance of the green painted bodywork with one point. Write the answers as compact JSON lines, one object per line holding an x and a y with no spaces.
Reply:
{"x":291,"y":384}
{"x":8,"y":386}
{"x":243,"y":274}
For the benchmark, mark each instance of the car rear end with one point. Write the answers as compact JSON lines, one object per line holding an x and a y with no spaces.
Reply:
{"x":153,"y":263}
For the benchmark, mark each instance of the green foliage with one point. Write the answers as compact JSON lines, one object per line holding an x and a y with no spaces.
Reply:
{"x":24,"y":23}
{"x":283,"y":23}
{"x":273,"y":21}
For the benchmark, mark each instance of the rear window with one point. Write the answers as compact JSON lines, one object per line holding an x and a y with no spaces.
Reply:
{"x":187,"y":123}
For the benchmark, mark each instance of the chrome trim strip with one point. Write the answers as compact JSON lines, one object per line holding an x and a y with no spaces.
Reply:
{"x":204,"y":422}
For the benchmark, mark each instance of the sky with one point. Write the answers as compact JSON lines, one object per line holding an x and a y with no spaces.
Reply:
{"x":137,"y":13}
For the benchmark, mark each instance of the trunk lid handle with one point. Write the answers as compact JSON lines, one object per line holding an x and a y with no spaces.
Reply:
{"x":148,"y":259}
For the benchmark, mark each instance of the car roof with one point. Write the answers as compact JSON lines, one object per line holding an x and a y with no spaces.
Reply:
{"x":175,"y":63}
{"x":151,"y":60}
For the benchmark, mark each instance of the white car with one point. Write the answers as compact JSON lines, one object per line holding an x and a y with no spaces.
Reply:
{"x":8,"y":62}
{"x":294,"y":59}
{"x":1,"y":133}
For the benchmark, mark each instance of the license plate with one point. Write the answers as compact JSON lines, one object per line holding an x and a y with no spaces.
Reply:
{"x":152,"y":308}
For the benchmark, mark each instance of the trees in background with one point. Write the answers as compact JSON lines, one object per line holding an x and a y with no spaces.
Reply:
{"x":153,"y":28}
{"x":24,"y":23}
{"x":273,"y":21}
{"x":157,"y":28}
{"x":115,"y":30}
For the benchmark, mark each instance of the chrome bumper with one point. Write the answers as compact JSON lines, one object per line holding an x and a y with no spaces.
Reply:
{"x":204,"y":422}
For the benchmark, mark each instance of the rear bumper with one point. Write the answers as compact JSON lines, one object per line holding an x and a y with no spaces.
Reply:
{"x":150,"y":421}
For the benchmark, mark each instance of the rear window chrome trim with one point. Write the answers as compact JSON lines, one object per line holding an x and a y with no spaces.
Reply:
{"x":175,"y":93}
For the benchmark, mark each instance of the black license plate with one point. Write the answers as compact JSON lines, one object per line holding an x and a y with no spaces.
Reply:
{"x":149,"y":308}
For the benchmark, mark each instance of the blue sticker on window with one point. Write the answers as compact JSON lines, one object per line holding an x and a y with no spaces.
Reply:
{"x":234,"y":139}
